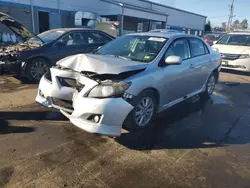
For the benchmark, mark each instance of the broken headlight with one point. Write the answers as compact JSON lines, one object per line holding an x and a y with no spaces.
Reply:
{"x":109,"y":90}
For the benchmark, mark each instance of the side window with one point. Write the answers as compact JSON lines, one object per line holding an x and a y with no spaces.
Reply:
{"x":197,"y":47}
{"x":179,"y":48}
{"x":96,"y":38}
{"x":73,"y":39}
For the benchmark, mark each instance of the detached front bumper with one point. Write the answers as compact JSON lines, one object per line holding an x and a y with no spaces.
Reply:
{"x":101,"y":116}
{"x":239,"y":64}
{"x":53,"y":89}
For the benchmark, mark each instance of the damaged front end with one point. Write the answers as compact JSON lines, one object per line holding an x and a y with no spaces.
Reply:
{"x":56,"y":88}
{"x":11,"y":57}
{"x":99,"y":104}
{"x":95,"y":85}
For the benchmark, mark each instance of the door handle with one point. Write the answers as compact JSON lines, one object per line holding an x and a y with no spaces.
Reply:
{"x":191,"y":66}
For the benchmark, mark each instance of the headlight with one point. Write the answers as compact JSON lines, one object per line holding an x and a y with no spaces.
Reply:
{"x":244,"y":56}
{"x":109,"y":90}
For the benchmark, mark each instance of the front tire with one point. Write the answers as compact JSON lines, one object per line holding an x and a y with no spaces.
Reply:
{"x":143,"y":113}
{"x":36,"y":68}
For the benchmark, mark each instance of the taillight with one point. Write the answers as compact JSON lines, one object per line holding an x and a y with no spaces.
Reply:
{"x":208,"y":41}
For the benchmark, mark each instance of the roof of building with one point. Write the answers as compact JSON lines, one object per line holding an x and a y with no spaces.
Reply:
{"x":172,"y":8}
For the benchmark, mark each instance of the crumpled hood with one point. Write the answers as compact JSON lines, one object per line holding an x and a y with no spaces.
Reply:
{"x":16,"y":27}
{"x":100,"y":64}
{"x":232,"y":49}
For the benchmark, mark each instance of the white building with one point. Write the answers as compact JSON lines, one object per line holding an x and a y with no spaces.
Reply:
{"x":133,"y":15}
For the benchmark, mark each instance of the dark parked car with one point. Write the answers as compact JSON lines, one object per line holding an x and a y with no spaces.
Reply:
{"x":37,"y":53}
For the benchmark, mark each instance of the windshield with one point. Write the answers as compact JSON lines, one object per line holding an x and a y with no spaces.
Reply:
{"x":239,"y":40}
{"x":51,"y":35}
{"x":137,"y":48}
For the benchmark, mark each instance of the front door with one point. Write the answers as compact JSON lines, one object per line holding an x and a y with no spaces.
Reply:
{"x":70,"y":44}
{"x":177,"y":78}
{"x":78,"y":42}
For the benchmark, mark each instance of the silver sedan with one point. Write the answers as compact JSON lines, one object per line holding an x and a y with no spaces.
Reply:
{"x":131,"y":79}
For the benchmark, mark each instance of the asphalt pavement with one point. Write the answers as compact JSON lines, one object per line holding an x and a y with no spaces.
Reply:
{"x":199,"y":143}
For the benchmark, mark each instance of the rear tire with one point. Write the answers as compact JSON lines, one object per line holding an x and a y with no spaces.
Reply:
{"x":143,"y":113}
{"x":36,"y":68}
{"x":210,"y":85}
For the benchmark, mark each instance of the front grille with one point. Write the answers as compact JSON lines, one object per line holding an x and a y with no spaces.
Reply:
{"x":230,"y":56}
{"x":234,"y":66}
{"x":62,"y":103}
{"x":48,"y":76}
{"x":68,"y":82}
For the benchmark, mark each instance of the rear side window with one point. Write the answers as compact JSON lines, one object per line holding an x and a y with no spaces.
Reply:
{"x":197,"y":47}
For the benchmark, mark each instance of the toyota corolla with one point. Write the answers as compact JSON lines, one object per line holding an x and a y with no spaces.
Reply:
{"x":131,"y":79}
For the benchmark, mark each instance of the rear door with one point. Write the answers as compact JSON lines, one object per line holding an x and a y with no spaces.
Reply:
{"x":200,"y":63}
{"x":78,"y":42}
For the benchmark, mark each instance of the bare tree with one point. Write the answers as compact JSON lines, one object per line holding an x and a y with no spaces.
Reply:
{"x":224,"y":26}
{"x":236,"y":24}
{"x":244,"y":24}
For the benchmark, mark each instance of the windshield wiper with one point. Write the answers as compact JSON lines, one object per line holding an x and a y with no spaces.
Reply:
{"x":118,"y":56}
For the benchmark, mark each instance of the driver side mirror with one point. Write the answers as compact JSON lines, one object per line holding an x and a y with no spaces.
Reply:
{"x":173,"y":60}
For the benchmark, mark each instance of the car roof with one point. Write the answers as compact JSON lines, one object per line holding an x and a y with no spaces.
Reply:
{"x":72,"y":29}
{"x":164,"y":34}
{"x":215,"y":34}
{"x":240,"y":33}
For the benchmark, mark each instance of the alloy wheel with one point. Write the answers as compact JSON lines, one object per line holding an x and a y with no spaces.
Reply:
{"x":144,"y":111}
{"x":38,"y":69}
{"x":211,"y":85}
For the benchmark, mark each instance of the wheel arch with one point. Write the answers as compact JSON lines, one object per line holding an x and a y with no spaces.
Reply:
{"x":156,"y":94}
{"x":28,"y":62}
{"x":216,"y":72}
{"x":39,"y":57}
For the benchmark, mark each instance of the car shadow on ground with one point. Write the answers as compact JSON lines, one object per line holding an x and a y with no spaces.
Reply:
{"x":6,"y":128}
{"x":32,"y":115}
{"x":172,"y":130}
{"x":235,"y":72}
{"x":25,"y":80}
